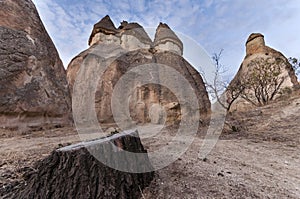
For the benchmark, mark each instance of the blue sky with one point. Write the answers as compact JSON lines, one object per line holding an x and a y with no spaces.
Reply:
{"x":214,"y":24}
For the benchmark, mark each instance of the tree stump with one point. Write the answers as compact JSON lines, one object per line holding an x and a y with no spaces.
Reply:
{"x":73,"y":172}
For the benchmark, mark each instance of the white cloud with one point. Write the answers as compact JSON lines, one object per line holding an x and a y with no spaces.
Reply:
{"x":214,"y":24}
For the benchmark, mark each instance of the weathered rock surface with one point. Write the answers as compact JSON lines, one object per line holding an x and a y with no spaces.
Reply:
{"x":33,"y":87}
{"x":130,"y":47}
{"x":167,"y":40}
{"x":130,"y":36}
{"x":257,"y":51}
{"x":72,"y":172}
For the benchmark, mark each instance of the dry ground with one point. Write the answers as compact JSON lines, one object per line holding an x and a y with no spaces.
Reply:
{"x":260,"y":159}
{"x":257,"y":158}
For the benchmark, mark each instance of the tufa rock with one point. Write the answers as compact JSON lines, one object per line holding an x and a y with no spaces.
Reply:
{"x":130,"y":36}
{"x":149,"y":102}
{"x":256,"y":50}
{"x":133,"y":32}
{"x":106,"y":26}
{"x":167,"y":40}
{"x":33,"y":87}
{"x":255,"y":44}
{"x":130,"y":49}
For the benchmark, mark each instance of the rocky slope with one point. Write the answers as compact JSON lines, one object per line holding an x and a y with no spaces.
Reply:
{"x":33,"y":87}
{"x":127,"y":48}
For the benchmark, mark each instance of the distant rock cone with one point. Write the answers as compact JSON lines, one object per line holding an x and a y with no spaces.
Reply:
{"x":258,"y":52}
{"x":105,"y":26}
{"x":33,"y":87}
{"x":166,"y":39}
{"x":130,"y":47}
{"x":256,"y":48}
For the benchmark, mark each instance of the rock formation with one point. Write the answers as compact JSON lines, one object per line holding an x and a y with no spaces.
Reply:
{"x":33,"y":87}
{"x":73,"y":172}
{"x":256,"y":48}
{"x":130,"y":36}
{"x":148,"y":103}
{"x":260,"y":54}
{"x":167,"y":40}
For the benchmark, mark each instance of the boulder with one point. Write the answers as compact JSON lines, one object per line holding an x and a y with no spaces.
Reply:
{"x":33,"y":87}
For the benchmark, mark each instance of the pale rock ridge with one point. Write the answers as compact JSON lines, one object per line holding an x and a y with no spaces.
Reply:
{"x":132,"y":36}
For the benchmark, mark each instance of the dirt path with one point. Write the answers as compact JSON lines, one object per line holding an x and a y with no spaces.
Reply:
{"x":20,"y":152}
{"x":234,"y":169}
{"x":261,"y":160}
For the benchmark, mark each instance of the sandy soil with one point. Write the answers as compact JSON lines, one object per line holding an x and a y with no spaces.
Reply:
{"x":20,"y":151}
{"x":234,"y":169}
{"x":260,"y":158}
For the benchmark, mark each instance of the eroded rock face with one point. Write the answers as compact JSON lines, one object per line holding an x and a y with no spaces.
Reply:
{"x":130,"y":36}
{"x":167,"y":40}
{"x":129,"y":47}
{"x":33,"y":88}
{"x":255,"y":44}
{"x":256,"y":49}
{"x":258,"y":52}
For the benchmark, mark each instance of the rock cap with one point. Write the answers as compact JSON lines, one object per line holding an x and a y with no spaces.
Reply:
{"x":105,"y":25}
{"x":164,"y":34}
{"x":133,"y":36}
{"x":255,"y":44}
{"x":252,"y":36}
{"x":135,"y":30}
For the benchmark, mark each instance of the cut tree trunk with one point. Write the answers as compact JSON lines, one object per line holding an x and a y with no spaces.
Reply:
{"x":73,"y":172}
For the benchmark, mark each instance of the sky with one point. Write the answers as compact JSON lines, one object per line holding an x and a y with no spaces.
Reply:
{"x":213,"y":24}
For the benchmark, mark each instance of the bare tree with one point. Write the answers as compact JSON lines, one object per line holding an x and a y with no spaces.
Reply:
{"x":233,"y":92}
{"x":219,"y":88}
{"x":259,"y":86}
{"x":263,"y":81}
